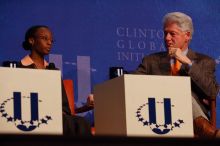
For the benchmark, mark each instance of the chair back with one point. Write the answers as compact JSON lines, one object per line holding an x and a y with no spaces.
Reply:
{"x":69,"y":87}
{"x":213,"y":111}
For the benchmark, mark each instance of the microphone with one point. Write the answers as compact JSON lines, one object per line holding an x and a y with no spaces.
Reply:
{"x":51,"y":66}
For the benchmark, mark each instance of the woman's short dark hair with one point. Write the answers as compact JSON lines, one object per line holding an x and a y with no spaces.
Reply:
{"x":30,"y":33}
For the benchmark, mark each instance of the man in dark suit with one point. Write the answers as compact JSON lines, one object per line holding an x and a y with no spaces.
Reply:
{"x":182,"y":61}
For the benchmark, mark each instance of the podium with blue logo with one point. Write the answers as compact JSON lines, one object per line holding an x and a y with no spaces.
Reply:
{"x":30,"y":101}
{"x":144,"y":105}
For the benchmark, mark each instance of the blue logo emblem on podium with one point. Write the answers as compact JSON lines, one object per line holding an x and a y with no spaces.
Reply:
{"x":24,"y":124}
{"x":158,"y":128}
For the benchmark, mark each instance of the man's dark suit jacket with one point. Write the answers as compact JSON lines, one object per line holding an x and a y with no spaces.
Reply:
{"x":202,"y":73}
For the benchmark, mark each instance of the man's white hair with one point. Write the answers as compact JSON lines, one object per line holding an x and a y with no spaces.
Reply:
{"x":182,"y":20}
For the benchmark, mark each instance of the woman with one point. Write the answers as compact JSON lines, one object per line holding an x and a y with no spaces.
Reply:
{"x":39,"y":40}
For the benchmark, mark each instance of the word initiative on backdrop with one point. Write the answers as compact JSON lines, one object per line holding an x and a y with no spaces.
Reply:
{"x":132,"y":42}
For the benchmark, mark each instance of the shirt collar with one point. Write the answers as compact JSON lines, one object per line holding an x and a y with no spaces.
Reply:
{"x":185,"y":51}
{"x":28,"y":61}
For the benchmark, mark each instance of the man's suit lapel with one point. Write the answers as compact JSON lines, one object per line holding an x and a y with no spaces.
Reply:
{"x":191,"y":55}
{"x":165,"y":64}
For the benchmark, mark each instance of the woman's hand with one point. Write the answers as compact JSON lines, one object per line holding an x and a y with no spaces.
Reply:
{"x":90,"y":100}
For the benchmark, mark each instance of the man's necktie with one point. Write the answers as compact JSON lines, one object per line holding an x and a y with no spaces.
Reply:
{"x":175,"y":67}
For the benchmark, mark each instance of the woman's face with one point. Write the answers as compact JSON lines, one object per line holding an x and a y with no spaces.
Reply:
{"x":42,"y":41}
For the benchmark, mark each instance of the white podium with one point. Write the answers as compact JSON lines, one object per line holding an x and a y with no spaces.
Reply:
{"x":144,"y":105}
{"x":30,"y":101}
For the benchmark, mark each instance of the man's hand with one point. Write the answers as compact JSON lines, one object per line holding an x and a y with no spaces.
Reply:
{"x":177,"y":54}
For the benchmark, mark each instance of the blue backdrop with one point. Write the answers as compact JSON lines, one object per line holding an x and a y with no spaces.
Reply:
{"x":93,"y":35}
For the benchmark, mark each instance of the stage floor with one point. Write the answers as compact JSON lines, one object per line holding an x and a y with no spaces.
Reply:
{"x":47,"y":140}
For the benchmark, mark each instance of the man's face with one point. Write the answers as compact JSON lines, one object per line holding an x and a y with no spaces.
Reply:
{"x":174,"y":37}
